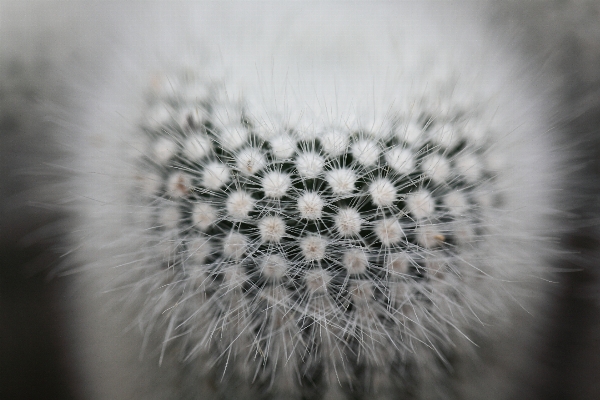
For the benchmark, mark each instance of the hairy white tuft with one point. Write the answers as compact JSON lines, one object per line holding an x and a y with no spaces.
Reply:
{"x":250,"y":161}
{"x":383,"y":193}
{"x":313,"y":247}
{"x":271,"y":229}
{"x":215,"y":175}
{"x":348,"y":222}
{"x":204,"y":215}
{"x":235,"y":245}
{"x":239,"y":204}
{"x":276,"y":184}
{"x":309,"y":164}
{"x":310,"y":205}
{"x":366,"y":152}
{"x":341,"y":181}
{"x":355,"y":261}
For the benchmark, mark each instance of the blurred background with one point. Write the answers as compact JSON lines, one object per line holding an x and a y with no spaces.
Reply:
{"x":561,"y":36}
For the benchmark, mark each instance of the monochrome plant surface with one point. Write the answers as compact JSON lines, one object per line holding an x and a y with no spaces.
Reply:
{"x":348,"y":201}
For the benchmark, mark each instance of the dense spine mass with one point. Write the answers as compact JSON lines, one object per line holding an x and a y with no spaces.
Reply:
{"x":312,"y":251}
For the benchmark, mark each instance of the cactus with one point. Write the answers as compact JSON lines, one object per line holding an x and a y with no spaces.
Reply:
{"x":312,"y":253}
{"x":346,"y":217}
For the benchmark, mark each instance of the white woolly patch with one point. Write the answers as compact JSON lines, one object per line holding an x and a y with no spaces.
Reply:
{"x":191,"y":117}
{"x":383,"y":193}
{"x":484,"y":197}
{"x":366,"y":152}
{"x":276,"y":184}
{"x":179,"y":185}
{"x":397,"y":264}
{"x":468,"y":166}
{"x":149,"y":183}
{"x":317,"y":280}
{"x":355,"y":261}
{"x":309,"y":164}
{"x":494,"y":161}
{"x":226,"y":115}
{"x":233,"y":137}
{"x":271,"y":229}
{"x":341,"y":181}
{"x":234,"y":277}
{"x":362,"y":293}
{"x":429,"y":236}
{"x":420,"y":204}
{"x":348,"y":222}
{"x":169,"y":217}
{"x":239,"y":204}
{"x":436,"y":167}
{"x":193,"y":92}
{"x":273,"y":267}
{"x":264,"y":123}
{"x":159,"y":115}
{"x":310,"y":205}
{"x":167,"y":250}
{"x":250,"y":161}
{"x":400,"y":160}
{"x":204,"y":215}
{"x":215,"y":175}
{"x":464,"y":233}
{"x":197,"y":147}
{"x":163,"y":150}
{"x":334,"y":142}
{"x":313,"y":247}
{"x":235,"y":245}
{"x":283,"y":146}
{"x":199,"y":249}
{"x":376,"y":126}
{"x":446,"y":136}
{"x":389,"y":231}
{"x":456,"y":202}
{"x":409,"y":133}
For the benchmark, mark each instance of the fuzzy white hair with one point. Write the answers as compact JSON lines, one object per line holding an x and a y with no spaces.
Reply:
{"x":361,"y":138}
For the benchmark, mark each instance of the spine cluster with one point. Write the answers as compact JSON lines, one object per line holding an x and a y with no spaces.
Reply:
{"x":305,"y":254}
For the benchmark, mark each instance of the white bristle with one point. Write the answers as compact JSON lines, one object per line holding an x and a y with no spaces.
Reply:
{"x":430,"y":236}
{"x":355,"y":261}
{"x":274,"y":267}
{"x":250,"y":161}
{"x":235,"y":245}
{"x":199,"y":249}
{"x":204,"y":215}
{"x":400,"y":160}
{"x":317,"y":281}
{"x":239,"y":205}
{"x":272,"y":229}
{"x":420,"y":204}
{"x":197,"y":147}
{"x":383,"y":193}
{"x":389,"y":231}
{"x":348,"y":222}
{"x":215,"y":175}
{"x":334,"y":142}
{"x":309,"y":164}
{"x":313,"y":247}
{"x":456,"y":202}
{"x":276,"y":184}
{"x":310,"y":205}
{"x":283,"y":146}
{"x":436,"y":167}
{"x":366,"y":152}
{"x":178,"y":185}
{"x":341,"y":181}
{"x":163,"y":150}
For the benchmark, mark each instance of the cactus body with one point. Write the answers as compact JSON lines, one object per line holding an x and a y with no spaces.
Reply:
{"x":338,"y":207}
